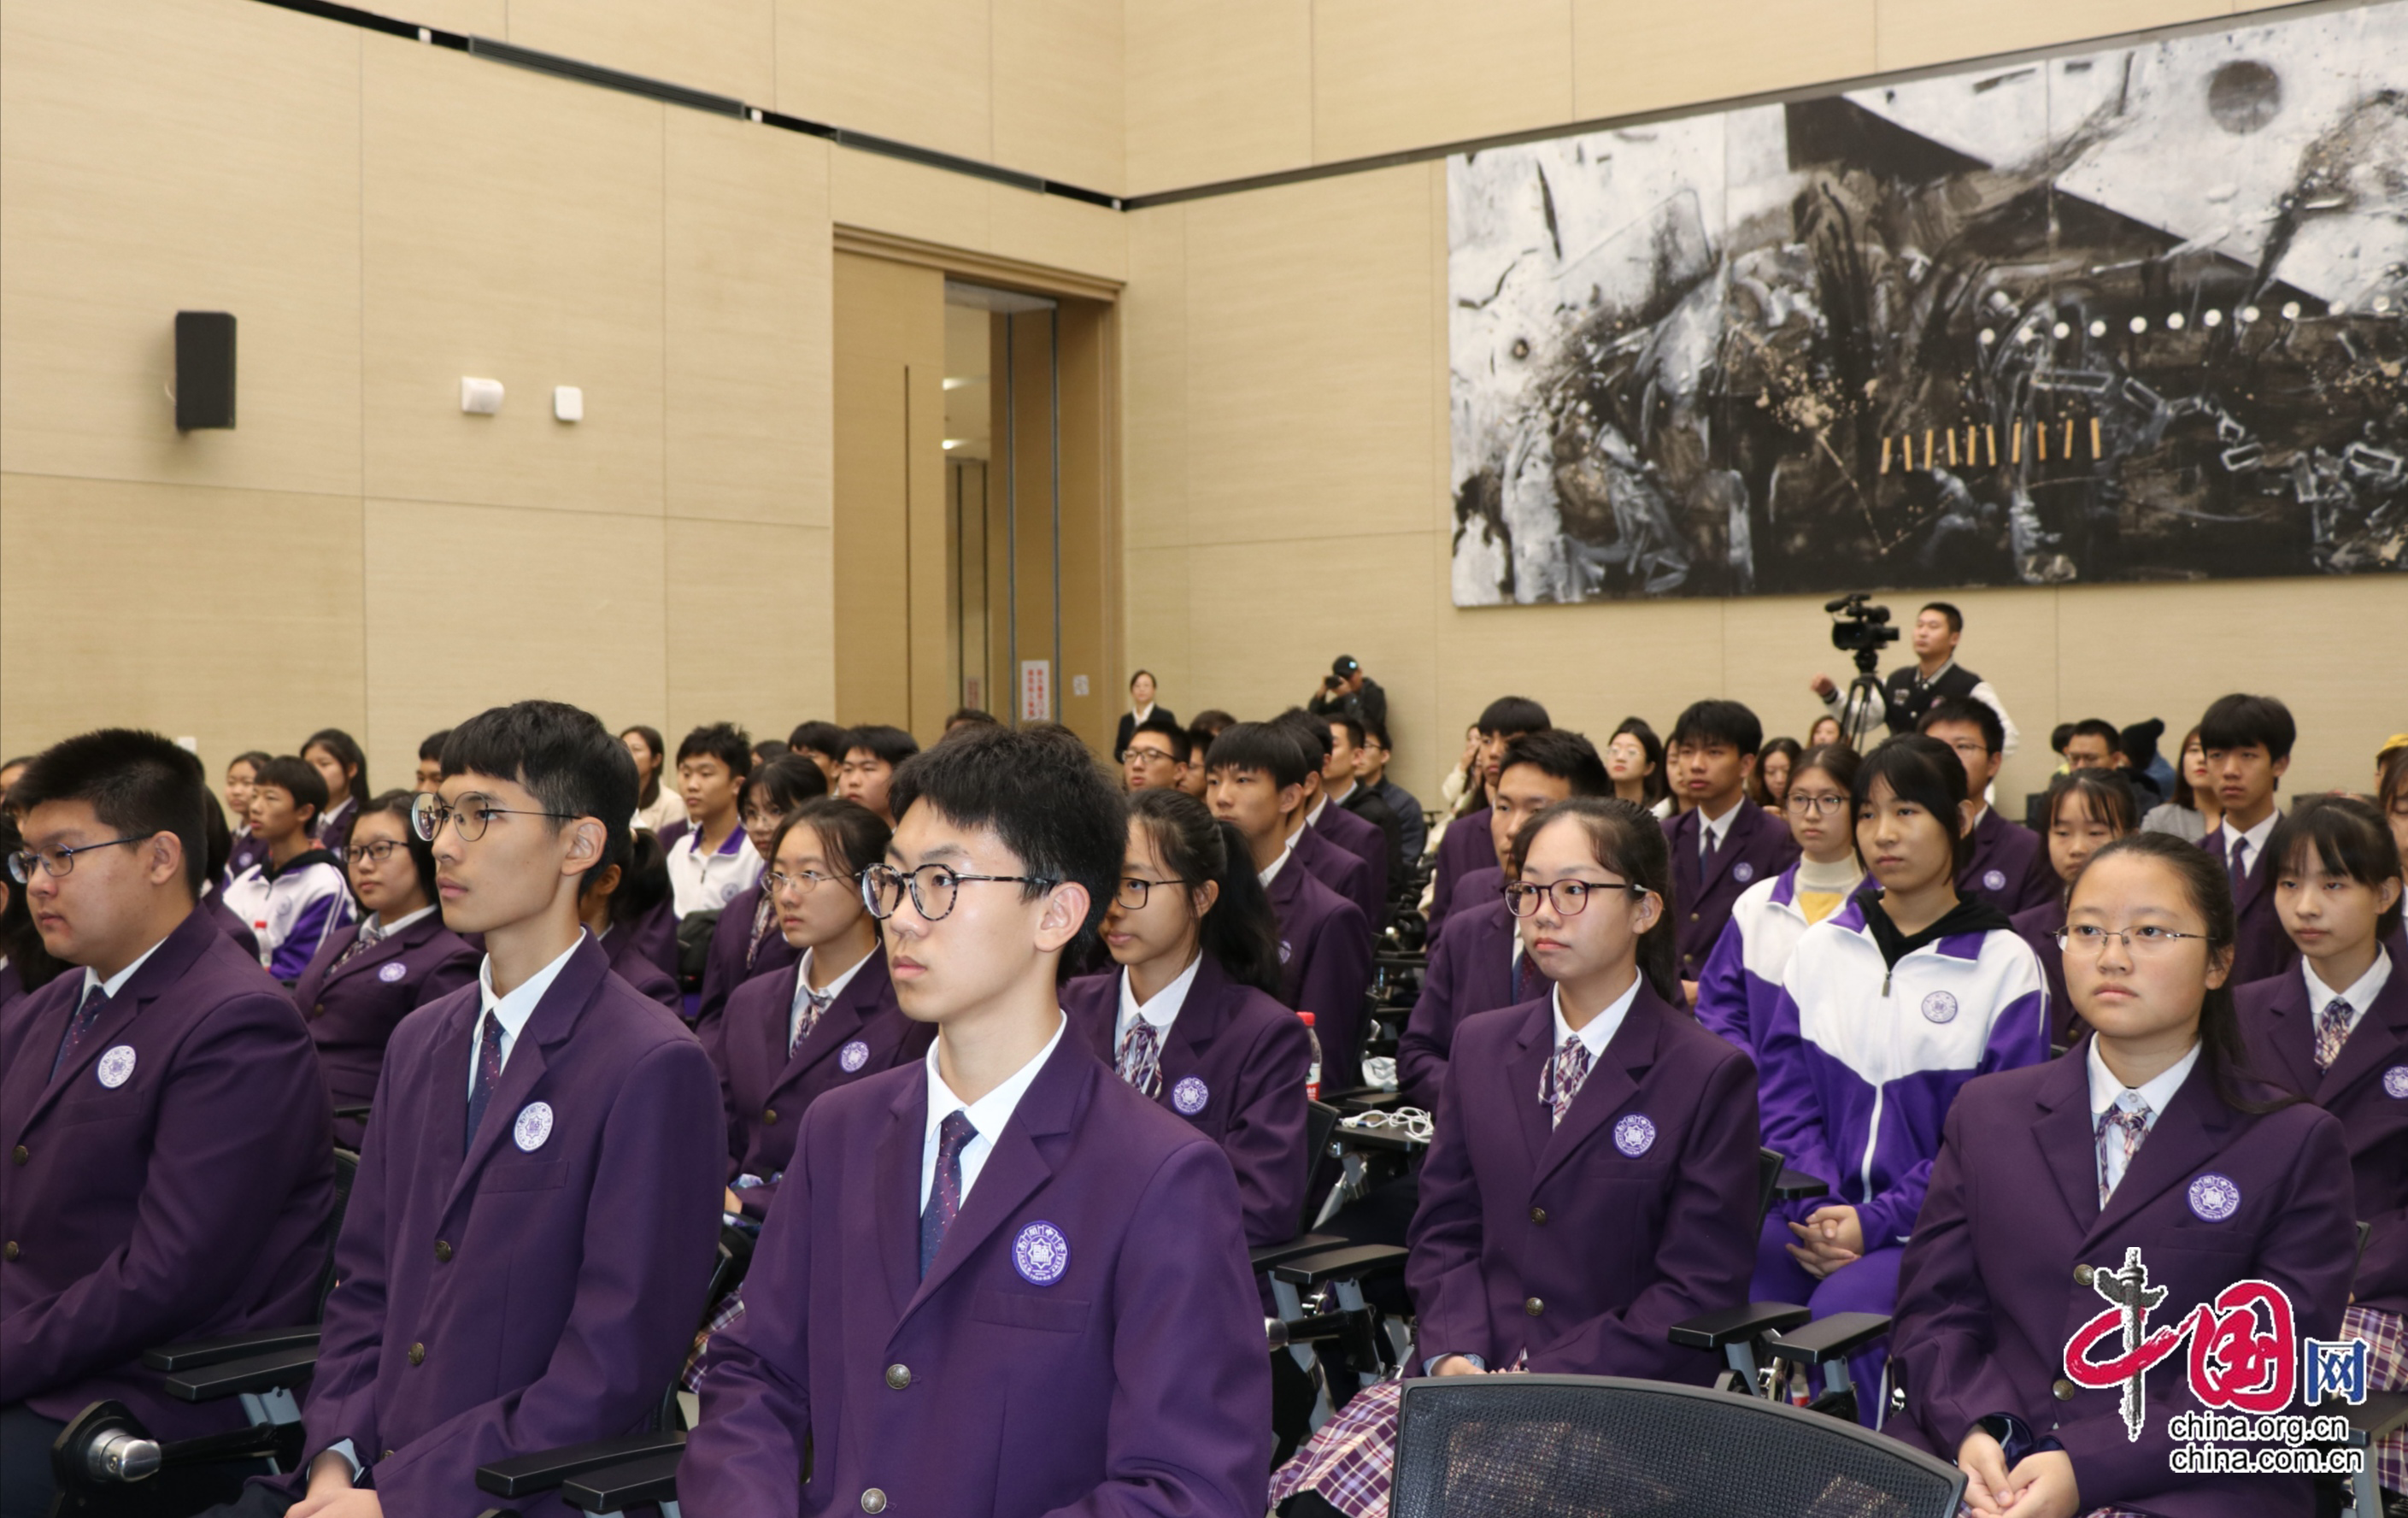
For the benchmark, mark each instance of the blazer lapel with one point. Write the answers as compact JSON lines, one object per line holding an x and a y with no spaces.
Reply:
{"x":1202,"y":1016}
{"x":2375,"y":1041}
{"x":894,"y":1202}
{"x":1018,"y":1164}
{"x":2184,"y":1137}
{"x":1612,"y":1080}
{"x":1522,"y":1075}
{"x":1686,"y":886}
{"x":2293,"y":1034}
{"x":167,"y":965}
{"x":845,"y":1017}
{"x":547,"y":1027}
{"x":2069,"y":1143}
{"x":390,"y":945}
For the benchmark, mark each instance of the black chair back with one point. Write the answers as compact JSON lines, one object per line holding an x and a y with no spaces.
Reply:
{"x":1545,"y":1446}
{"x":1768,"y":1176}
{"x":346,"y":1170}
{"x":1322,"y":1167}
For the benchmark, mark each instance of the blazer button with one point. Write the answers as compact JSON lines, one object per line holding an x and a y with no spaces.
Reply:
{"x":1539,"y":1215}
{"x":2061,"y":1389}
{"x":2081,"y":1273}
{"x":1693,"y":917}
{"x":318,"y":1011}
{"x":442,"y":1252}
{"x":768,"y":1117}
{"x":872,"y":1499}
{"x":9,"y":1250}
{"x":1534,"y":1306}
{"x":19,"y":1155}
{"x":898,"y":1376}
{"x":418,"y":1354}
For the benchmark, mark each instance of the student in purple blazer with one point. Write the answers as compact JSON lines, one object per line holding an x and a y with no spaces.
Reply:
{"x":2006,"y":866}
{"x":1593,"y":1174}
{"x":1355,"y":837}
{"x":746,"y":941}
{"x":1535,"y":771}
{"x":2246,"y":742}
{"x":1467,"y":845}
{"x":170,"y":1166}
{"x":1256,"y":778}
{"x":523,"y":1259}
{"x":618,"y":902}
{"x":997,"y":1282}
{"x":371,"y":974}
{"x":244,"y":848}
{"x":2335,"y":1031}
{"x":2149,"y":1137}
{"x":2088,"y":810}
{"x":1189,"y":1018}
{"x":1724,"y":842}
{"x":789,"y":1037}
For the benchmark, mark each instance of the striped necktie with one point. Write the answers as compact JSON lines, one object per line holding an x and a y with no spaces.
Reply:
{"x":1561,"y":1081}
{"x":2333,"y":1032}
{"x":2120,"y":1132}
{"x":1140,"y":1058}
{"x":370,"y":937}
{"x":816,"y":1003}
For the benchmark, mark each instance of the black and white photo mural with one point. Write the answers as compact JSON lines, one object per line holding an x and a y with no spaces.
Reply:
{"x":2132,"y":315}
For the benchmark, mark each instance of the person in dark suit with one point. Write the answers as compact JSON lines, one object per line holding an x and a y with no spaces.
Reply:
{"x":523,"y":1259}
{"x":1257,"y":776}
{"x":372,"y":973}
{"x":1371,"y":769}
{"x":998,"y":1280}
{"x":2088,"y":810}
{"x":1593,"y":1172}
{"x":1141,"y":707}
{"x":2147,"y":1149}
{"x":746,"y":941}
{"x":1350,"y":836}
{"x":789,"y":1037}
{"x":1190,"y":1017}
{"x":1341,"y":783}
{"x":2006,"y":867}
{"x":171,"y":1160}
{"x":1465,"y":845}
{"x":2246,"y":740}
{"x":1346,"y":690}
{"x":1723,"y":842}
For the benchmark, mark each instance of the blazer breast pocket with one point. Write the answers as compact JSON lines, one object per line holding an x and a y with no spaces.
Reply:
{"x":524,"y":1177}
{"x":103,"y":1105}
{"x":1030,"y":1310}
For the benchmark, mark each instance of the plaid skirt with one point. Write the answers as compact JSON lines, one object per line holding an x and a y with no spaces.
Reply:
{"x":2387,"y":1370}
{"x":1352,"y":1460}
{"x":730,"y":1308}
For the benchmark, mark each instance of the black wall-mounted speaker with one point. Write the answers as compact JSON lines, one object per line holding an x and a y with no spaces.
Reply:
{"x":204,"y":369}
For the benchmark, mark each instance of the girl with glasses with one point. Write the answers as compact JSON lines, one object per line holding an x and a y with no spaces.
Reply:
{"x":2148,"y":1156}
{"x":2086,"y":810}
{"x":745,"y":941}
{"x":1742,"y":976}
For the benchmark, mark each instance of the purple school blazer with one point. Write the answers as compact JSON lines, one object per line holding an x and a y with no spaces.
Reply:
{"x":1324,"y":947}
{"x":631,"y":961}
{"x":1986,"y":1295}
{"x":728,"y":966}
{"x":1366,"y":841}
{"x":2038,"y":926}
{"x":171,"y":1183}
{"x":1465,"y":846}
{"x":353,"y":1010}
{"x":766,"y":1090}
{"x":1757,"y":847}
{"x":1088,"y":1337}
{"x":231,"y":925}
{"x":1338,"y":868}
{"x":539,"y":1286}
{"x":1470,"y":971}
{"x":1234,"y":1066}
{"x":1585,"y":1241}
{"x":2367,"y":1089}
{"x":2009,"y":866}
{"x":1473,"y":889}
{"x":655,"y":935}
{"x":2263,"y":950}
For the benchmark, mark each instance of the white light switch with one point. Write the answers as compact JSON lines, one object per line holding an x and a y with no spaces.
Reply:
{"x":568,"y":403}
{"x":1077,"y":685}
{"x":480,"y":397}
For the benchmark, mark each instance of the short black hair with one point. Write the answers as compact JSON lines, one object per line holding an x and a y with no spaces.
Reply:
{"x":297,"y":778}
{"x":1377,"y":734}
{"x":430,"y":748}
{"x":253,"y":756}
{"x":2095,"y":727}
{"x":1213,"y":722}
{"x":1512,"y":714}
{"x":1715,"y":721}
{"x":1159,"y":722}
{"x":1199,"y":744}
{"x":787,"y":782}
{"x":564,"y":756}
{"x":1927,"y":772}
{"x":1311,"y":734}
{"x":1978,"y":715}
{"x":2239,"y":721}
{"x":1042,"y":794}
{"x":1261,"y":746}
{"x":422,"y":853}
{"x":1956,"y":618}
{"x":1658,"y":784}
{"x":891,"y":744}
{"x":2349,"y":837}
{"x":1561,"y":754}
{"x":819,"y":737}
{"x":845,"y":828}
{"x":971,"y":717}
{"x":347,"y":752}
{"x":769,"y":748}
{"x":730,"y":745}
{"x":1142,"y":674}
{"x":2105,"y":795}
{"x":643,"y":877}
{"x":2059,"y":736}
{"x":1352,"y":724}
{"x":138,"y":785}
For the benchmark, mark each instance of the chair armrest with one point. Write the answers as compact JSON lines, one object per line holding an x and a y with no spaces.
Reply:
{"x":522,"y":1475}
{"x":286,"y":1367}
{"x":1385,"y":1140}
{"x":1268,"y":1255}
{"x":195,"y":1354}
{"x":360,"y":1112}
{"x":1731,"y":1325}
{"x":1834,"y":1337}
{"x":617,"y":1488}
{"x":2381,"y":1414}
{"x":1364,"y":1099}
{"x":1794,"y":1185}
{"x":1349,"y":1263}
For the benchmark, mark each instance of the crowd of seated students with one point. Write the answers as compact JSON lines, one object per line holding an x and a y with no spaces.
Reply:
{"x":1004,"y":1060}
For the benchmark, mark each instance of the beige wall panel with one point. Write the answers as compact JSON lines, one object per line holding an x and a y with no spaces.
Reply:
{"x":1217,"y":92}
{"x":1057,"y":91}
{"x":1913,"y":32}
{"x":527,"y":251}
{"x":2329,"y":648}
{"x":1310,"y":359}
{"x":888,"y":194}
{"x":167,"y":154}
{"x":1153,"y":357}
{"x":751,"y":626}
{"x":1161,"y":632}
{"x":727,"y":47}
{"x":1635,"y":55}
{"x":475,"y":18}
{"x":749,"y":425}
{"x":1392,"y":74}
{"x":476,"y":606}
{"x":1056,"y":231}
{"x":919,"y":71}
{"x":117,"y":613}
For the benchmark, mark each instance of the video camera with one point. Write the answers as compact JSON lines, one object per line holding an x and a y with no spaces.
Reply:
{"x":1860,"y":629}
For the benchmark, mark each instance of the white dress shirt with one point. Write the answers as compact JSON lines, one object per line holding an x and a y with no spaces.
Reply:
{"x":1714,"y":830}
{"x":1600,"y":1029}
{"x":1162,"y":1011}
{"x":833,"y":989}
{"x":385,"y":930}
{"x":2253,"y":842}
{"x":510,"y":1011}
{"x":988,"y":1114}
{"x":1271,"y":871}
{"x":117,"y":982}
{"x":2360,"y":996}
{"x":2106,"y":1090}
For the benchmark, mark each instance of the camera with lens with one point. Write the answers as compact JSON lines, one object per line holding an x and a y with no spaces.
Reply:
{"x":1860,"y":629}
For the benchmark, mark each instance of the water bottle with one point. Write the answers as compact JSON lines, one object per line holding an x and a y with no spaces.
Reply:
{"x":1312,"y":1071}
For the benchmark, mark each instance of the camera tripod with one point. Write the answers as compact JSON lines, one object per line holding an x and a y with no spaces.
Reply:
{"x":1864,"y":704}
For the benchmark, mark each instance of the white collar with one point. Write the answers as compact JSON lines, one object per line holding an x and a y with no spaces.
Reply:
{"x":2106,"y":1090}
{"x":833,"y":988}
{"x":1720,"y":827}
{"x":386,"y":930}
{"x":1313,"y":818}
{"x":1164,"y":1008}
{"x":117,"y":982}
{"x":1145,"y":711}
{"x":1945,"y":665}
{"x":513,"y":1010}
{"x":2256,"y":837}
{"x":988,"y":1114}
{"x":1339,"y":798}
{"x":2360,"y":996}
{"x":1600,"y":1029}
{"x":1271,"y":871}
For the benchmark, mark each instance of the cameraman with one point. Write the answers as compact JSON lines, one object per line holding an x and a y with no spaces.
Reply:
{"x":1910,"y":692}
{"x":1347,"y":691}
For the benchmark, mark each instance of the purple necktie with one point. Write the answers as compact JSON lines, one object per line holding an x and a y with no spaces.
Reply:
{"x":2232,"y":864}
{"x":818,"y":1002}
{"x":2333,"y":1032}
{"x":1140,"y":1058}
{"x":489,"y":1071}
{"x":1564,"y":1075}
{"x":764,"y":916}
{"x":95,"y":1002}
{"x":370,"y":935}
{"x":945,"y":1197}
{"x":2130,"y":1125}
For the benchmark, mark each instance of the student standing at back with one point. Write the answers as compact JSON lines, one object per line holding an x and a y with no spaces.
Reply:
{"x":2087,"y":809}
{"x":2006,"y":865}
{"x":714,"y":861}
{"x":2246,"y":743}
{"x":296,"y":895}
{"x":1724,"y":842}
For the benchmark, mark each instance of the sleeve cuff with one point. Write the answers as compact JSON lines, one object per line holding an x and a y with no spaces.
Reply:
{"x":350,"y":1457}
{"x":2016,"y":1438}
